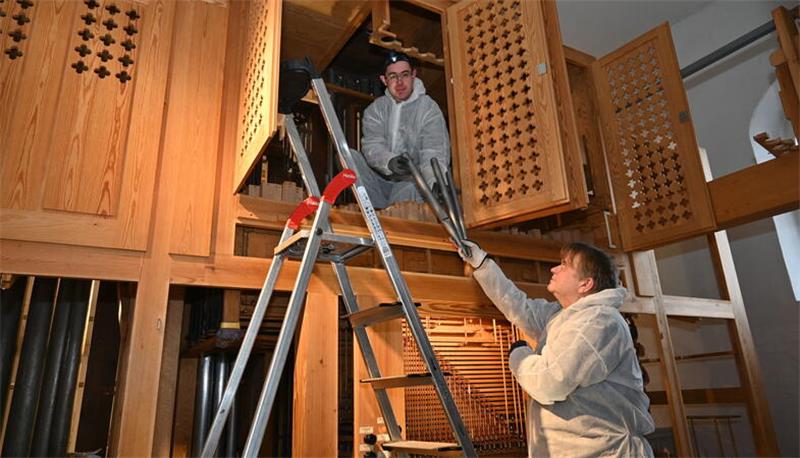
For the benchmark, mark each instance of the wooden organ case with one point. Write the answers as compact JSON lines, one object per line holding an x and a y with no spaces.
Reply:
{"x":128,"y":126}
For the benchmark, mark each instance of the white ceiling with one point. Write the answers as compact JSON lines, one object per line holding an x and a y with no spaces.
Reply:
{"x":598,"y":27}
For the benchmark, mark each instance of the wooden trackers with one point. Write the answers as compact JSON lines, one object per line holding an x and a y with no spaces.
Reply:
{"x":306,"y":244}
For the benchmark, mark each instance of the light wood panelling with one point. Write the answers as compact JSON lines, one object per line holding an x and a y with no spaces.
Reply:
{"x":81,"y":145}
{"x":195,"y":97}
{"x":316,"y":404}
{"x":509,"y":134}
{"x":258,"y":102}
{"x":652,"y":150}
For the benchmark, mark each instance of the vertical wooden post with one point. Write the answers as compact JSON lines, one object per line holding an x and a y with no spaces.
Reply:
{"x":648,"y":284}
{"x":316,"y":368}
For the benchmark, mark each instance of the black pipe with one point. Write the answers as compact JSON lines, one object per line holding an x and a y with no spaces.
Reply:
{"x":446,"y":195}
{"x":459,"y":212}
{"x":220,"y":376}
{"x":733,"y":46}
{"x":202,"y":405}
{"x":29,"y":375}
{"x":68,"y":376}
{"x":50,"y":382}
{"x":11,"y":300}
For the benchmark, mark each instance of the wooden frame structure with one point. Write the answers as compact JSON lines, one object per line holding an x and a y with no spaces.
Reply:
{"x":173,"y":217}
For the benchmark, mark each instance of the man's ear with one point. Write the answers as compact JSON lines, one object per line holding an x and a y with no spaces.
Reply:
{"x":383,"y":80}
{"x":414,"y":72}
{"x":586,"y":285}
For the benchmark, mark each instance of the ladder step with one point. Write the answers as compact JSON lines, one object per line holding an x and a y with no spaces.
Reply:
{"x":382,"y":312}
{"x":424,"y":448}
{"x":400,"y":381}
{"x":333,"y":246}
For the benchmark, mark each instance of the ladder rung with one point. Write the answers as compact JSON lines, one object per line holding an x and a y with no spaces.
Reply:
{"x":382,"y":312}
{"x":399,"y":381}
{"x":424,"y":448}
{"x":295,"y":244}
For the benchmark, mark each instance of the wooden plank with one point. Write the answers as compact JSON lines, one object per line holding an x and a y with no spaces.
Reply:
{"x":316,"y":404}
{"x":660,"y":192}
{"x":53,"y":260}
{"x":703,"y":396}
{"x":512,"y":165}
{"x":223,"y":236}
{"x":434,"y":291}
{"x":195,"y":97}
{"x":736,"y":202}
{"x":168,"y":382}
{"x":646,"y":271}
{"x":787,"y":33}
{"x":574,"y":56}
{"x":270,"y":214}
{"x":86,"y":347}
{"x":697,"y":307}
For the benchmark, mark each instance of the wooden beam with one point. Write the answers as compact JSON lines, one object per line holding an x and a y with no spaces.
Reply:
{"x":55,"y":260}
{"x":646,"y":273}
{"x":459,"y":295}
{"x":354,"y":21}
{"x":316,"y":402}
{"x":697,"y":307}
{"x":703,"y":396}
{"x":268,"y":214}
{"x":578,"y":57}
{"x":757,"y":192}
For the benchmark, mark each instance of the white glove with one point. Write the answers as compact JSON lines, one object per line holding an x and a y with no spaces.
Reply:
{"x":476,"y":254}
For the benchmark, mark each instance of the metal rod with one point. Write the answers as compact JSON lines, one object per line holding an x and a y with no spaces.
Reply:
{"x":232,"y":427}
{"x":202,"y":404}
{"x":29,"y":375}
{"x":446,"y":195}
{"x":733,"y":46}
{"x":436,"y":206}
{"x":457,"y":203}
{"x":50,"y":382}
{"x":220,"y":377}
{"x":68,"y":378}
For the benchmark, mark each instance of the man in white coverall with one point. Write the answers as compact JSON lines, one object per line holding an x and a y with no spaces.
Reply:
{"x":404,"y":124}
{"x":585,"y":384}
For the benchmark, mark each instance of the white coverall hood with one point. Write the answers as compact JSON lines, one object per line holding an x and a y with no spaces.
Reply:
{"x":584,"y":380}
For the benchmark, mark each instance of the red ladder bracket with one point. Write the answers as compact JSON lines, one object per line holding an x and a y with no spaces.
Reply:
{"x":340,"y":182}
{"x":305,"y":208}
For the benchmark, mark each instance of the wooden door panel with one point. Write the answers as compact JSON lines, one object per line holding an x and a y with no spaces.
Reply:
{"x":81,"y":122}
{"x":650,"y":141}
{"x":507,"y":111}
{"x":258,"y":102}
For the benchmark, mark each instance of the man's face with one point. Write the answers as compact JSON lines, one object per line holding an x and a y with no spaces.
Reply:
{"x":399,"y":78}
{"x":567,"y":283}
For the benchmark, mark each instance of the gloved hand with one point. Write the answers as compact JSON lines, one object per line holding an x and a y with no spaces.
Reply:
{"x":517,"y":344}
{"x":399,"y":165}
{"x":476,"y":254}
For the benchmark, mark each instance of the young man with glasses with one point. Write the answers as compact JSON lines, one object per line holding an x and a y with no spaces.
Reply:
{"x":404,"y":124}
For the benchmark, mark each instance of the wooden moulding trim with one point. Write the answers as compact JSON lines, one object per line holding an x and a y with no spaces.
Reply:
{"x":438,"y":291}
{"x":268,"y":214}
{"x":735,"y":202}
{"x":580,"y":58}
{"x":734,"y":395}
{"x":697,"y":307}
{"x":55,"y":260}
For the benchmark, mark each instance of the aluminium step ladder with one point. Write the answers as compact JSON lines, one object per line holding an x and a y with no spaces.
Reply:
{"x":320,"y":243}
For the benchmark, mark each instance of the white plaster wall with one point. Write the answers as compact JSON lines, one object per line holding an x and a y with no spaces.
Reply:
{"x":722,"y":99}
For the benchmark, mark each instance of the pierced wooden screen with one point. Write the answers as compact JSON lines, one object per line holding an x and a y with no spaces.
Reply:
{"x":511,"y":154}
{"x":652,"y":150}
{"x":258,"y":103}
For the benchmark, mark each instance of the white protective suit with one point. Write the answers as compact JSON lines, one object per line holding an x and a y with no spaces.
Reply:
{"x":584,"y":378}
{"x":414,"y":127}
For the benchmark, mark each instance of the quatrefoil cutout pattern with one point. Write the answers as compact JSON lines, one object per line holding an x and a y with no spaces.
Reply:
{"x":651,"y":160}
{"x":500,"y":103}
{"x":256,"y":79}
{"x":106,"y":39}
{"x":15,"y":25}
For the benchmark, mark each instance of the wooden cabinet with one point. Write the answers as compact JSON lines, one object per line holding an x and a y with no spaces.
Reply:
{"x":83,"y":104}
{"x":652,"y":151}
{"x":517,"y":142}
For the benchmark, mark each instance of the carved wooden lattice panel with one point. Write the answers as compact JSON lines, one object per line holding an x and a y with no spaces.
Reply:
{"x":652,"y":150}
{"x":258,"y":103}
{"x":80,"y":138}
{"x":511,"y":154}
